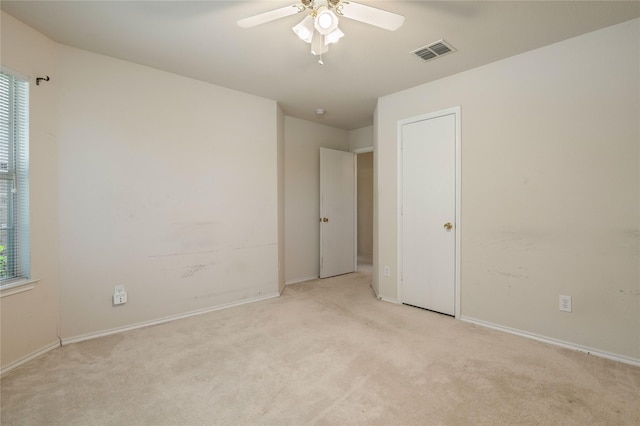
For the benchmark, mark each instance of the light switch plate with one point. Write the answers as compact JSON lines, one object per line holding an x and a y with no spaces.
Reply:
{"x":565,"y":303}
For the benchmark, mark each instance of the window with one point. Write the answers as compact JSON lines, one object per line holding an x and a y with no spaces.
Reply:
{"x":14,"y":179}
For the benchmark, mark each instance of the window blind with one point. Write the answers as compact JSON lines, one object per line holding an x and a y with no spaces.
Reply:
{"x":14,"y":178}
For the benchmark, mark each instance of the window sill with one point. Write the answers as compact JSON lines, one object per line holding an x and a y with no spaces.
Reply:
{"x":19,"y":286}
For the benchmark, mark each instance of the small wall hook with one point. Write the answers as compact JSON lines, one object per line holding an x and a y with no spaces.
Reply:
{"x":38,"y":79}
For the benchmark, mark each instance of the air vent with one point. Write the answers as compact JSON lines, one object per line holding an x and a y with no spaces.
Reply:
{"x":433,"y":50}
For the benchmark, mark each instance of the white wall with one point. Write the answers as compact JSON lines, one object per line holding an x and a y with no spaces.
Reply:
{"x":29,"y":320}
{"x":169,"y":186}
{"x":303,"y":140}
{"x":550,"y":188}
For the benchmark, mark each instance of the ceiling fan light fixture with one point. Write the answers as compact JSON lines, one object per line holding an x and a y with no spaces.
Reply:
{"x":320,"y":25}
{"x":334,"y":36}
{"x":326,"y":20}
{"x":305,"y":29}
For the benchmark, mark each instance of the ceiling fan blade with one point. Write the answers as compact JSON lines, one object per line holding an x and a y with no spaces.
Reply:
{"x":272,"y":15}
{"x":371,"y":15}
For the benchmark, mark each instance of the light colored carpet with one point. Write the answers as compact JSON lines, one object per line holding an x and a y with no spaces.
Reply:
{"x":326,"y":352}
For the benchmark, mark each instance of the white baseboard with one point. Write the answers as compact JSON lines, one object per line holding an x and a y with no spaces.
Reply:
{"x":27,"y":358}
{"x":375,"y":291}
{"x":301,"y":280}
{"x":556,"y":342}
{"x":76,"y":339}
{"x":383,"y":299}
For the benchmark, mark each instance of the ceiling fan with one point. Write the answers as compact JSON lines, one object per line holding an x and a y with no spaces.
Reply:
{"x":320,"y":25}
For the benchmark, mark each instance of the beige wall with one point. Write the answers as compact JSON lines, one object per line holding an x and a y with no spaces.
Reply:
{"x":148,"y":180}
{"x":550,"y":188}
{"x":29,"y":320}
{"x":365,"y":206}
{"x":170,"y":188}
{"x":303,"y":140}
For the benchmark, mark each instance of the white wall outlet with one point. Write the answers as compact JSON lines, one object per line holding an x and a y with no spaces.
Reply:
{"x":565,"y":303}
{"x":387,"y":271}
{"x":119,"y":295}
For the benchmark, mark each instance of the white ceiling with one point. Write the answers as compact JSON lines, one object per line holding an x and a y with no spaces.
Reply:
{"x":200,"y":39}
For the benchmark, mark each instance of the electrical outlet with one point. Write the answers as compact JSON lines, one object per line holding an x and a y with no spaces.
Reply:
{"x":120,"y":298}
{"x":119,"y":295}
{"x":565,"y":303}
{"x":387,"y":271}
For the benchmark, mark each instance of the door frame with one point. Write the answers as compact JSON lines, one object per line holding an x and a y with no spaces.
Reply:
{"x":455,"y":111}
{"x":357,"y":151}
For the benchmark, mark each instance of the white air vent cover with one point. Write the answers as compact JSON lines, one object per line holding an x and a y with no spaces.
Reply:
{"x":433,"y":50}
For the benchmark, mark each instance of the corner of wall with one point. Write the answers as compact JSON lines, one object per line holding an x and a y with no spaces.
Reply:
{"x":281,"y":222}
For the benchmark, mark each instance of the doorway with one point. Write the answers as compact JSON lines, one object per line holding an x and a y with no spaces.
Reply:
{"x":429,"y":211}
{"x":365,"y":211}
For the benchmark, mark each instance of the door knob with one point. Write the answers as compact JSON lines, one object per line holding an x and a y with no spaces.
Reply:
{"x":324,"y":219}
{"x":448,"y":226}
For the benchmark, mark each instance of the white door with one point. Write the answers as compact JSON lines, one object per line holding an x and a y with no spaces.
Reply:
{"x":428,"y":212}
{"x":337,"y":212}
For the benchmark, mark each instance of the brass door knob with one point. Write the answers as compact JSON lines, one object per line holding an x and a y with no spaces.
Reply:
{"x":324,"y":219}
{"x":448,"y":226}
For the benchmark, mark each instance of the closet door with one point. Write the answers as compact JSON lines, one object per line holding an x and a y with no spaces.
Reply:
{"x":428,"y":211}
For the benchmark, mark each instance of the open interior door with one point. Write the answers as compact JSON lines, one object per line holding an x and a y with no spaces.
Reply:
{"x":337,"y":212}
